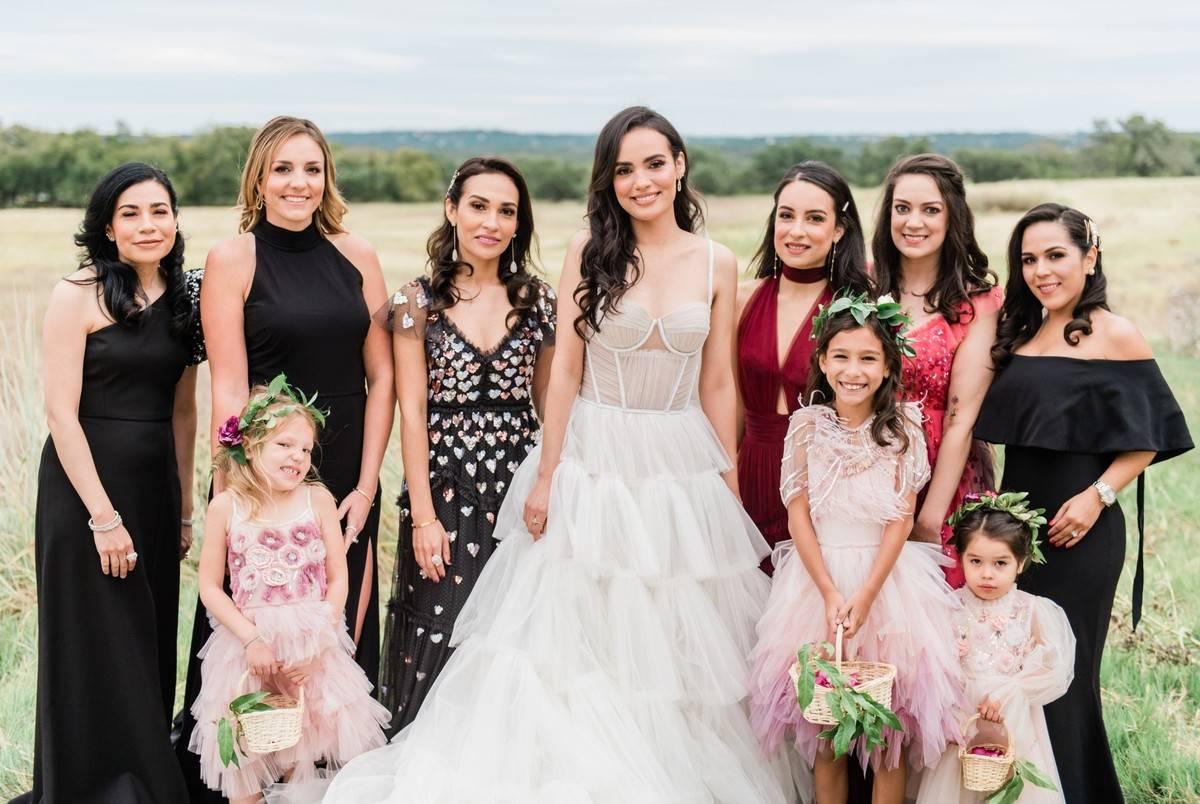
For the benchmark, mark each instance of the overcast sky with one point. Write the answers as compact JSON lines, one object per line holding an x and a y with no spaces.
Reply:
{"x":750,"y":67}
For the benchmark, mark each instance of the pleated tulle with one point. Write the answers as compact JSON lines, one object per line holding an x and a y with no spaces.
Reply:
{"x":606,"y":661}
{"x":341,"y":719}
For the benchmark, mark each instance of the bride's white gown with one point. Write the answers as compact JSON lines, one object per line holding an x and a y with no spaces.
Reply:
{"x":606,"y":662}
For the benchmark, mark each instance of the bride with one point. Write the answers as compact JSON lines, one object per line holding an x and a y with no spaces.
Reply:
{"x":601,"y":657}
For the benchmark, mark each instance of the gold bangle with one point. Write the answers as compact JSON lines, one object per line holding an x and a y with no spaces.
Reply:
{"x":364,"y":495}
{"x":425,"y":524}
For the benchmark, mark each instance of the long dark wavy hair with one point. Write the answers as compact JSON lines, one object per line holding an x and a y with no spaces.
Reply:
{"x":1021,"y":315}
{"x":609,"y":264}
{"x":848,"y":271}
{"x":888,"y":425}
{"x":962,"y":266}
{"x":521,"y":285}
{"x":125,"y":302}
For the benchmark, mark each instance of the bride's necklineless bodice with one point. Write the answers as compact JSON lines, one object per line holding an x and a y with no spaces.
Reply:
{"x":640,"y":362}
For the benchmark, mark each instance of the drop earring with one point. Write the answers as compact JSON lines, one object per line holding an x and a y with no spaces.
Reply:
{"x":775,"y":273}
{"x":832,"y":259}
{"x":512,"y":266}
{"x":454,"y":248}
{"x":679,"y":184}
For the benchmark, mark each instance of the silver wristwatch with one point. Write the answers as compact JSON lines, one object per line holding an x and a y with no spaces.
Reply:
{"x":1107,"y":495}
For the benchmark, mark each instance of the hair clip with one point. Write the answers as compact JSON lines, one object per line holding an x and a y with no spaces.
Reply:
{"x":845,"y":206}
{"x":450,"y":186}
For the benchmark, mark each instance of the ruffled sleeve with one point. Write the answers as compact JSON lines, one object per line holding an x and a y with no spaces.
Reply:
{"x":793,"y":476}
{"x":912,"y":470}
{"x":191,"y":282}
{"x":407,"y":311}
{"x":546,"y":311}
{"x":1049,"y":666}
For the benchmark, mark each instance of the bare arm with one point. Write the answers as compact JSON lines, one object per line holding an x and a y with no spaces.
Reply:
{"x":211,"y":575}
{"x":970,"y":377}
{"x":895,"y":533}
{"x":229,"y":271}
{"x":744,"y":291}
{"x":541,"y":380}
{"x":183,"y":423}
{"x":718,"y":394}
{"x":337,"y":576}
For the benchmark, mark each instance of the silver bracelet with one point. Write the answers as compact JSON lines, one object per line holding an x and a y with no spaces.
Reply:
{"x":112,"y":524}
{"x":186,"y":522}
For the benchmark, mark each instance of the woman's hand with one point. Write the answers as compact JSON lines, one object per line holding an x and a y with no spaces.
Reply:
{"x":537,"y":506}
{"x":115,"y":548}
{"x":926,"y":529}
{"x":1075,"y":518}
{"x":185,"y":541}
{"x":261,"y":659}
{"x":354,"y":510}
{"x":989,"y":710}
{"x":431,"y":548}
{"x":834,"y":602}
{"x":855,"y":611}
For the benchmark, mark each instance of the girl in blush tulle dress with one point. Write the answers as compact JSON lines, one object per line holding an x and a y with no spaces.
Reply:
{"x":851,"y":473}
{"x":1017,"y":649}
{"x":276,"y":531}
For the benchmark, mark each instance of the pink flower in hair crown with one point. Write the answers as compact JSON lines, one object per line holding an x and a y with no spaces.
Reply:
{"x":230,"y":434}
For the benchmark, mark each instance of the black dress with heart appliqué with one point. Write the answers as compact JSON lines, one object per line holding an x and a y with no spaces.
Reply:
{"x":481,"y":424}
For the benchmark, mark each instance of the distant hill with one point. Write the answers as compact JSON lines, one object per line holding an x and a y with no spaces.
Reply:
{"x":463,"y":143}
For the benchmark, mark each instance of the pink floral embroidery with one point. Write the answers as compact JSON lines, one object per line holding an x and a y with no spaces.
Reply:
{"x":292,"y":556}
{"x":270,"y":539}
{"x":305,"y":532}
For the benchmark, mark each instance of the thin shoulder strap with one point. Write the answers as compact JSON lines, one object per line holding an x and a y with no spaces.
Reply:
{"x":710,"y":272}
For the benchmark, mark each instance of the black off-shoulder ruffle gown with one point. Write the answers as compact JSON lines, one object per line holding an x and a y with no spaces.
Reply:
{"x":1063,"y":421}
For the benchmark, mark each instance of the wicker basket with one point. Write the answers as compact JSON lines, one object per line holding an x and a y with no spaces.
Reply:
{"x":276,"y":728}
{"x":874,"y":679}
{"x":983,"y":774}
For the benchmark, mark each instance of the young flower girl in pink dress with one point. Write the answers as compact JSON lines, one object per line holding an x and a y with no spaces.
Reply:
{"x":1017,"y":649}
{"x":275,"y":529}
{"x":854,"y":460}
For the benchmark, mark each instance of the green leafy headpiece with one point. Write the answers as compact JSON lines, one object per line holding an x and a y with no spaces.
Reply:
{"x":259,"y":417}
{"x":1015,"y":505}
{"x":861,"y":307}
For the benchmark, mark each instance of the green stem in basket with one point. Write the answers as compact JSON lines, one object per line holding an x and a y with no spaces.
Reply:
{"x":227,"y":743}
{"x":1023,"y":772}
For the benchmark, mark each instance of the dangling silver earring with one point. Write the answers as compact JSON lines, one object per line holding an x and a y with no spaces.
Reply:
{"x":454,"y":249}
{"x":512,"y":266}
{"x":679,"y":185}
{"x":832,"y":258}
{"x":775,"y":273}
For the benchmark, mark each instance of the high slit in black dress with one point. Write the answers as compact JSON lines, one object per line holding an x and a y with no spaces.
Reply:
{"x":106,"y":646}
{"x":305,"y":316}
{"x":1063,"y":421}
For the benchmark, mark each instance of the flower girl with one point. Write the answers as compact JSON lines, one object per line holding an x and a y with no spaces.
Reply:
{"x":854,"y":460}
{"x":275,"y":529}
{"x":1017,"y":649}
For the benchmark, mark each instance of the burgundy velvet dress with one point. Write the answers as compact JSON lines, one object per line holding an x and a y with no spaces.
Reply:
{"x":760,"y":377}
{"x":927,"y":381}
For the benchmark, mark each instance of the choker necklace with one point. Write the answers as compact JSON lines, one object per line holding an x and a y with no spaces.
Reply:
{"x":805,"y":276}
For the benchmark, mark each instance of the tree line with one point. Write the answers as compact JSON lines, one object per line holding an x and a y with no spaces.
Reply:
{"x":39,"y":168}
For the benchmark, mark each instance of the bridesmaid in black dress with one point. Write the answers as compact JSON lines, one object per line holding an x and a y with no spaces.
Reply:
{"x":118,"y":351}
{"x":292,"y":294}
{"x":1082,"y":409}
{"x":473,"y":345}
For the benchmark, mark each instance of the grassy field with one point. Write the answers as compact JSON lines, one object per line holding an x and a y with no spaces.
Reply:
{"x":1151,"y":236}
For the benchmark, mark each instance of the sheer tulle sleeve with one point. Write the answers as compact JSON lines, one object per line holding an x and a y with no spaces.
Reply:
{"x":912,"y":470}
{"x":1049,"y":666}
{"x":793,"y":476}
{"x":547,"y":312}
{"x":406,"y":311}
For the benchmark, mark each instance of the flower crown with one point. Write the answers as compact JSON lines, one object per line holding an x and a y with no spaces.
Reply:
{"x":885,"y":308}
{"x":256,"y":420}
{"x":1015,"y":505}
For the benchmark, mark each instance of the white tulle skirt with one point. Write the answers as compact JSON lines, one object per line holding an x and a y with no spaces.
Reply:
{"x":606,"y":661}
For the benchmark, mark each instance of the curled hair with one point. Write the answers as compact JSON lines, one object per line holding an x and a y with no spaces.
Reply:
{"x":888,"y":425}
{"x":848,"y":271}
{"x":962,"y":266}
{"x":609,"y":264}
{"x":1000,"y":526}
{"x":124,"y":300}
{"x":246,"y":480}
{"x":266,"y":142}
{"x":521,"y":285}
{"x":1021,"y":315}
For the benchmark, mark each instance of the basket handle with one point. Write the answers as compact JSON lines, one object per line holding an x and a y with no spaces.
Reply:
{"x":1008,"y":732}
{"x":837,"y":648}
{"x":242,"y":683}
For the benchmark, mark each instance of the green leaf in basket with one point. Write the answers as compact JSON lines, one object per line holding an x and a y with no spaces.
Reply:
{"x":1032,"y":774}
{"x":845,"y":735}
{"x":1009,"y":793}
{"x":225,"y":746}
{"x":245,"y":703}
{"x":805,"y":680}
{"x":827,"y":734}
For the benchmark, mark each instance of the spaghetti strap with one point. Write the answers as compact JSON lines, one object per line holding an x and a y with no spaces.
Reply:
{"x":710,"y":272}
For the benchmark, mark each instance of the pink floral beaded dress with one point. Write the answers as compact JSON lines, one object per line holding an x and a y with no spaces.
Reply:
{"x":927,"y":382}
{"x":1019,"y":651}
{"x":277,"y":580}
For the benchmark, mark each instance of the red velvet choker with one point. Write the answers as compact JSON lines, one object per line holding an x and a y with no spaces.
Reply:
{"x":805,"y":276}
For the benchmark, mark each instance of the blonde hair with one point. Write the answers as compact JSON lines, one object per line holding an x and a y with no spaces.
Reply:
{"x":267,"y":140}
{"x":245,"y":480}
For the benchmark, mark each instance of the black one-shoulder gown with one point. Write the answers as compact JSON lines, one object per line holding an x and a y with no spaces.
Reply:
{"x":1063,"y":421}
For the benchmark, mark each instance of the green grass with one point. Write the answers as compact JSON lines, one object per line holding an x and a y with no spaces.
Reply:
{"x":1152,"y":250}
